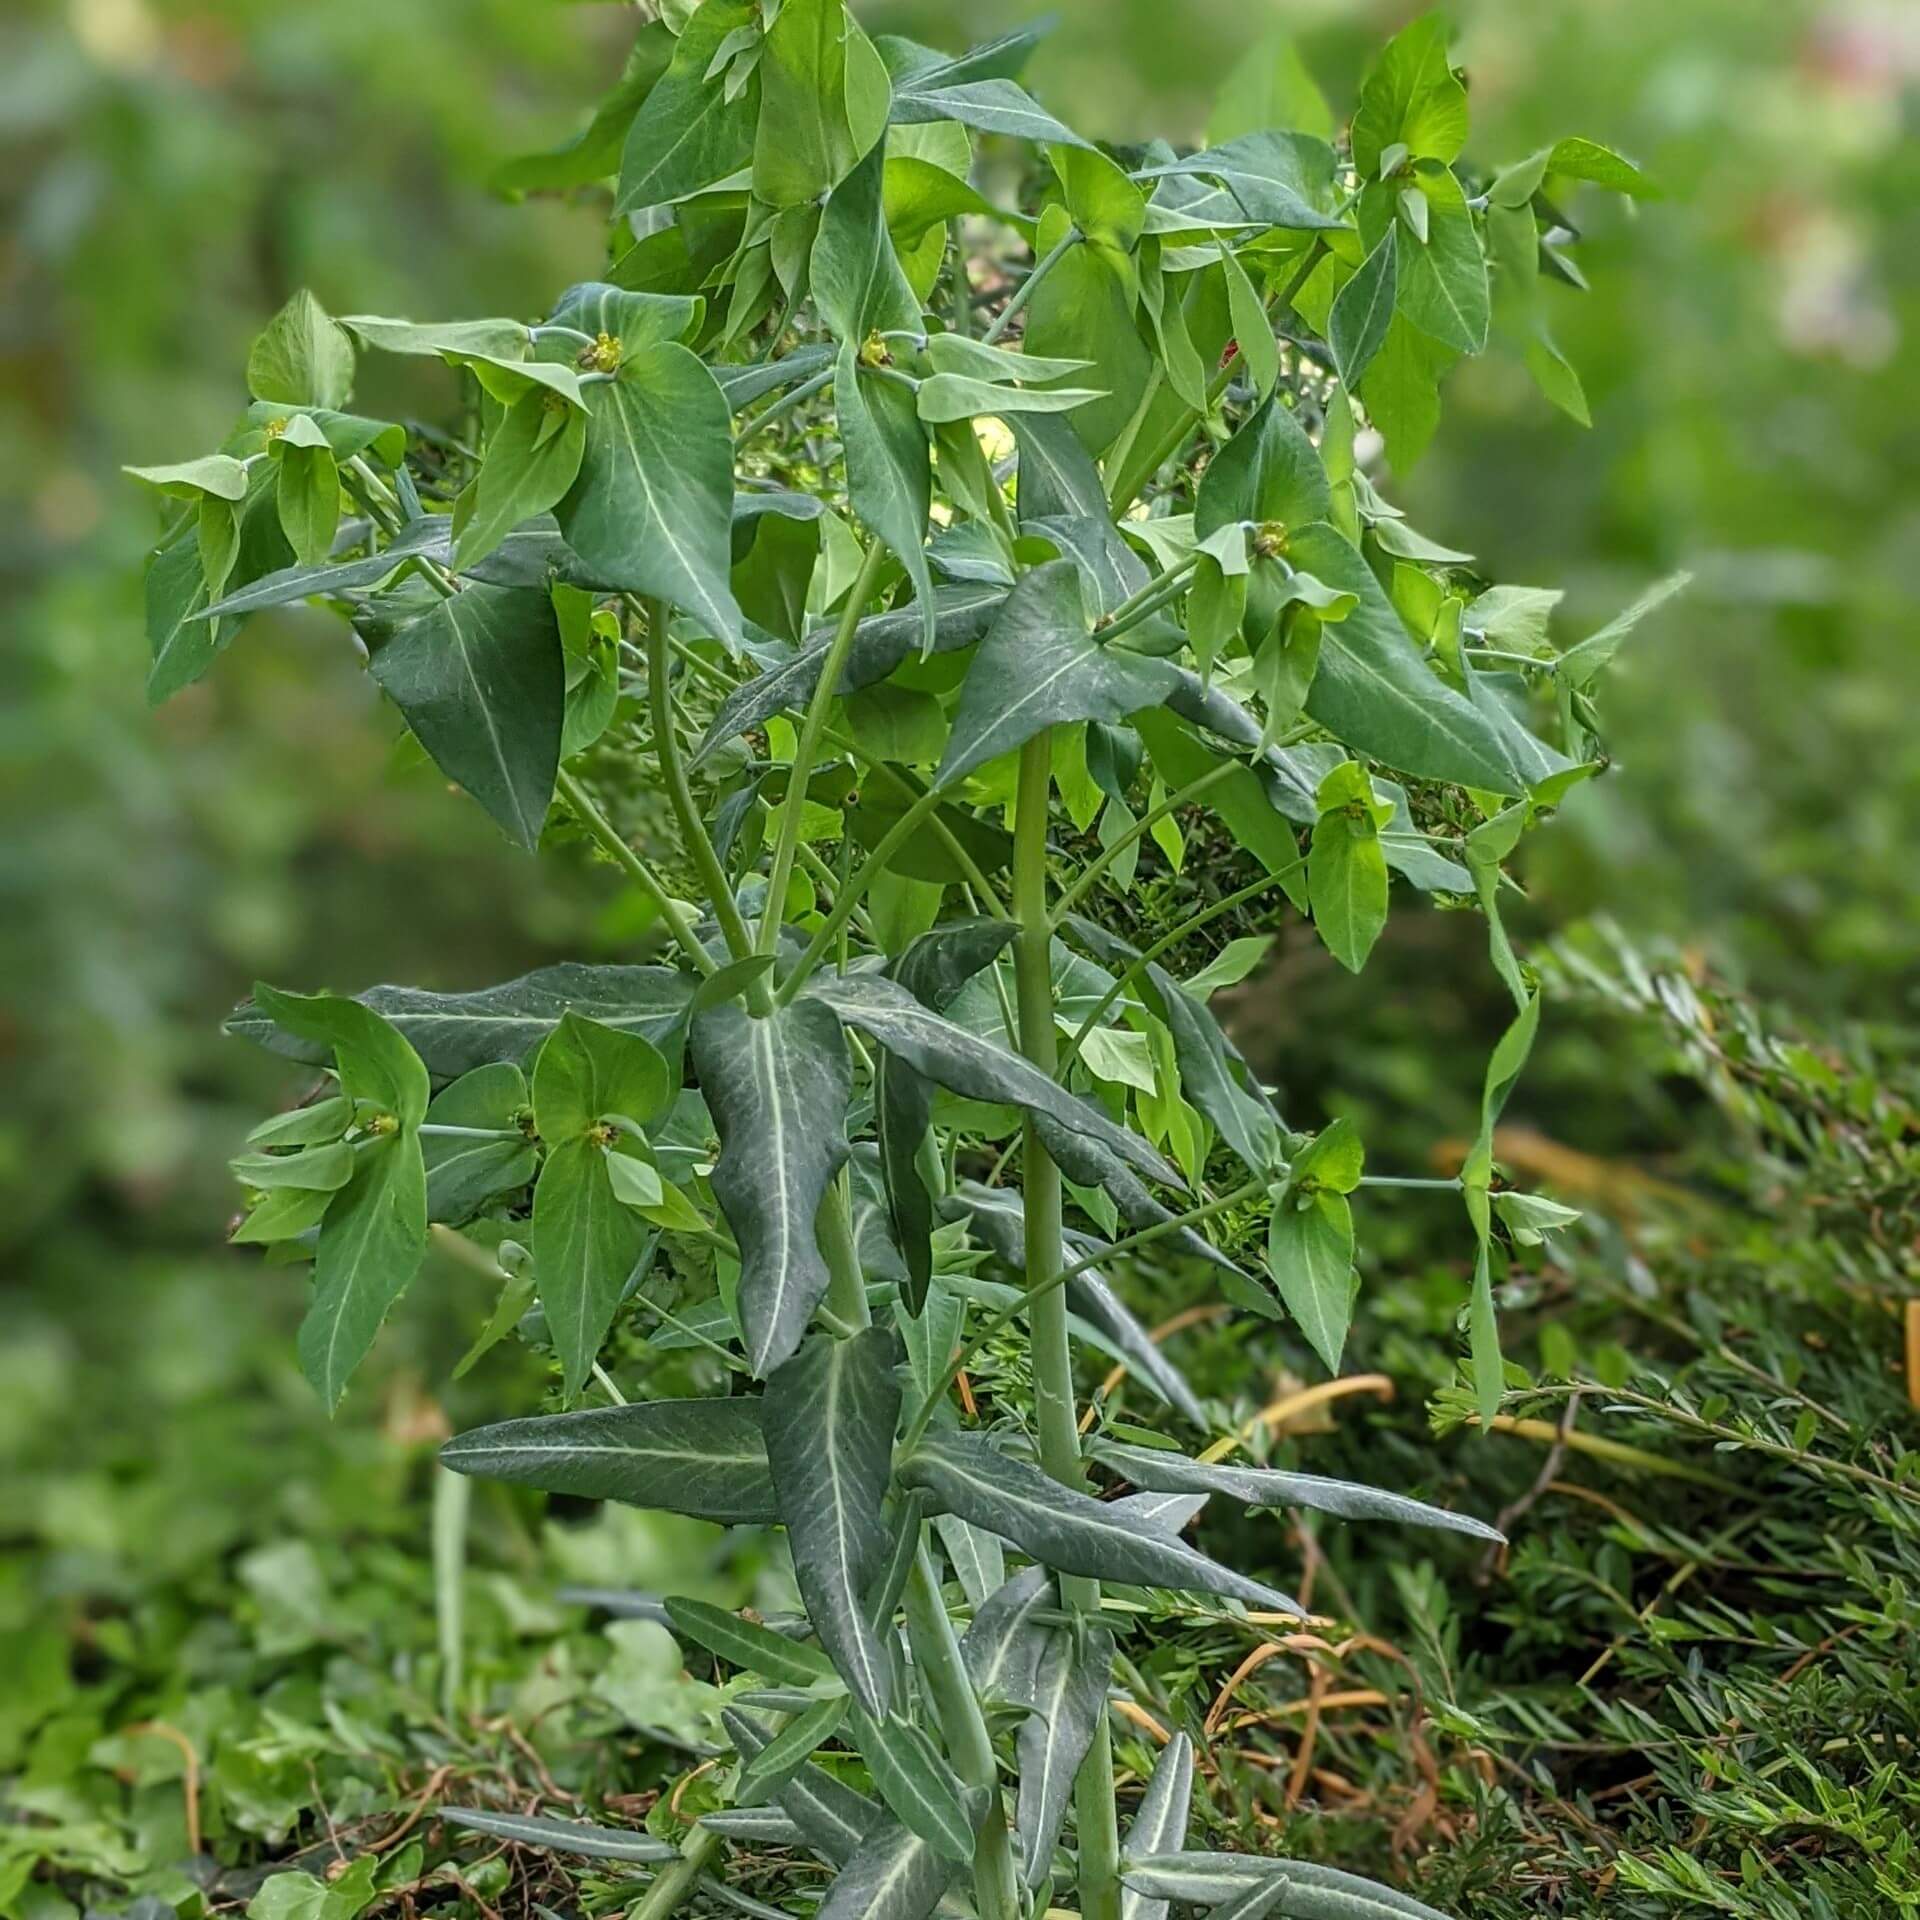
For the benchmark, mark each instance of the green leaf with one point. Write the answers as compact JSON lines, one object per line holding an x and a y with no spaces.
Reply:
{"x":1069,"y":1704}
{"x":1441,"y":284}
{"x":532,"y":459}
{"x":218,"y":474}
{"x":302,"y":359}
{"x":823,"y":102}
{"x":1310,"y":1890}
{"x":829,"y":1417}
{"x":375,"y":1062}
{"x":1583,"y":662}
{"x":1068,"y":1531}
{"x":594,"y":152}
{"x":956,"y":353}
{"x":1571,"y":159}
{"x":687,"y":134}
{"x":1363,"y":310}
{"x":652,"y":507}
{"x":323,"y":1169}
{"x":1002,"y":1646}
{"x":589,"y":1074}
{"x":584,"y":1246}
{"x":493,"y":339}
{"x":889,"y":470}
{"x":1084,"y":308}
{"x":1268,"y":472}
{"x":778,"y":1088}
{"x":893,"y":1874}
{"x":831,"y":1817}
{"x":770,"y":1768}
{"x":990,"y":105}
{"x":969,"y":1065}
{"x":854,"y":274}
{"x":463,"y":1172}
{"x":1411,"y":98}
{"x":1402,"y":391}
{"x":748,"y":1645}
{"x":307,"y":497}
{"x":580,"y":1838}
{"x":1268,"y":86}
{"x":456,"y":1032}
{"x":703,"y":1458}
{"x":1347,"y":872}
{"x":1310,"y":1256}
{"x":1165,"y":1472}
{"x":881,"y":642}
{"x":1160,"y":1821}
{"x":184,"y":642}
{"x":957,"y":396}
{"x":481,"y":680}
{"x":917,"y":1785}
{"x":371,"y":1244}
{"x":1252,"y":330}
{"x":1040,"y":665}
{"x":1279,"y":179}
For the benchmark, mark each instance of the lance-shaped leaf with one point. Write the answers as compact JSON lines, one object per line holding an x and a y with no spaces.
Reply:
{"x":1160,"y":1821}
{"x":829,"y":1417}
{"x":1039,"y":666}
{"x":1002,"y":1646}
{"x":1069,"y":1698}
{"x":823,"y":102}
{"x":933,"y":969}
{"x":854,"y":275}
{"x":1280,"y":179}
{"x":456,"y":1032}
{"x":1443,"y":277}
{"x":704,"y":1458}
{"x":1374,"y":692}
{"x":1269,"y":1487}
{"x":1363,"y":310}
{"x":781,"y":1758}
{"x":747,"y":1644}
{"x":961,"y":614}
{"x":946,"y":1052}
{"x":652,"y":508}
{"x":1071,"y":1532}
{"x":581,"y":1838}
{"x":1268,"y":471}
{"x":959,"y":396}
{"x":688,"y":134}
{"x":889,"y":470}
{"x":777,"y":1087}
{"x":992,"y":105}
{"x":920,"y":1789}
{"x":833,"y":1819}
{"x":996,"y":1216}
{"x":892,"y":1875}
{"x":481,"y":679}
{"x":531,"y":460}
{"x":465,"y":1170}
{"x":1313,"y":1892}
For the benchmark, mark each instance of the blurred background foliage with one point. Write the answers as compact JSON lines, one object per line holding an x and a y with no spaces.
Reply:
{"x":171,"y":169}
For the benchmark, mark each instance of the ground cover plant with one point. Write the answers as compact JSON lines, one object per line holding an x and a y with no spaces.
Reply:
{"x":918,"y":589}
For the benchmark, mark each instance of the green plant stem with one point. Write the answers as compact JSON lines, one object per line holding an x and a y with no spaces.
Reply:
{"x":1158,"y":591}
{"x":674,"y":1885}
{"x":852,"y":892}
{"x":693,"y":829}
{"x":1030,"y":285}
{"x":1190,"y":925}
{"x":1410,"y":1180}
{"x":1184,"y":796}
{"x":1130,"y":478}
{"x":788,"y":401}
{"x":807,"y":750}
{"x":601,"y":829}
{"x":1056,"y":1416}
{"x":937,"y":1656}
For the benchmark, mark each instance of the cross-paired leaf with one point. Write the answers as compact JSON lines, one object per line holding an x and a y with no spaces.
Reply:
{"x":777,"y":1086}
{"x":1068,"y":1531}
{"x":748,"y":1645}
{"x":832,"y":1818}
{"x":582,"y":1839}
{"x":687,"y":134}
{"x":889,"y":469}
{"x":918,"y":1786}
{"x":1311,"y":1891}
{"x":829,"y":1417}
{"x":703,"y":1458}
{"x":1160,"y":1821}
{"x":1279,"y":179}
{"x":465,"y":1170}
{"x":1040,"y":665}
{"x":1069,"y":1701}
{"x":481,"y":680}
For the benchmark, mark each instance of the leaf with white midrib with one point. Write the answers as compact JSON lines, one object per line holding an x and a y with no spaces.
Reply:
{"x":1160,"y":1821}
{"x":579,"y":1837}
{"x":961,"y":614}
{"x":1001,"y":1647}
{"x":1064,"y":1529}
{"x":1039,"y":666}
{"x":777,"y":1087}
{"x":706,"y":1458}
{"x":1314,"y":1892}
{"x":1070,"y":1695}
{"x":893,"y":1875}
{"x":1170,"y":1472}
{"x":455,"y":1032}
{"x":917,"y":1784}
{"x":946,"y":1052}
{"x":829,"y":1416}
{"x":831,"y":1816}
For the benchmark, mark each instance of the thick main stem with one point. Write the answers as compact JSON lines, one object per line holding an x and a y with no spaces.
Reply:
{"x":1047,"y":1310}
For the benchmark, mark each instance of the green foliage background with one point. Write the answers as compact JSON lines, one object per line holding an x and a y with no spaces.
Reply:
{"x":171,"y":170}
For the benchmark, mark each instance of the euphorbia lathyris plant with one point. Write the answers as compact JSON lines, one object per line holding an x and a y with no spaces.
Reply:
{"x":894,"y":565}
